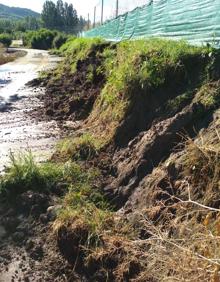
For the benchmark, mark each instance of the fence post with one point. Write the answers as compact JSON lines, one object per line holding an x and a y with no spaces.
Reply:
{"x":94,"y":16}
{"x":116,"y":8}
{"x":88,"y":21}
{"x":102,"y":11}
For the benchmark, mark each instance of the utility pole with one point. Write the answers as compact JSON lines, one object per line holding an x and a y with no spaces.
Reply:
{"x":94,"y":16}
{"x":116,"y":8}
{"x":88,"y":21}
{"x":102,"y":10}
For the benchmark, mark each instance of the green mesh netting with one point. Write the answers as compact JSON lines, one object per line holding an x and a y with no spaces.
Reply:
{"x":197,"y":21}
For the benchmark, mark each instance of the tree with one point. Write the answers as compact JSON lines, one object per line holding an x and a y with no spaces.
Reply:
{"x":49,"y":14}
{"x":71,"y":18}
{"x":60,"y":13}
{"x":61,"y":16}
{"x":5,"y":40}
{"x":31,"y":23}
{"x":81,"y":24}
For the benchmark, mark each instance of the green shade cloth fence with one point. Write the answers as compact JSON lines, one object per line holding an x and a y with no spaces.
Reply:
{"x":197,"y":21}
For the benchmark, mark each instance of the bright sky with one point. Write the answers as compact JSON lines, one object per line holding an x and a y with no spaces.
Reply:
{"x":83,"y":7}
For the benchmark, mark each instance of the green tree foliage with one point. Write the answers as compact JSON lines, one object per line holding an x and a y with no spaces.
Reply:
{"x":41,"y":39}
{"x":5,"y":40}
{"x":12,"y":26}
{"x":61,"y":16}
{"x":49,"y":15}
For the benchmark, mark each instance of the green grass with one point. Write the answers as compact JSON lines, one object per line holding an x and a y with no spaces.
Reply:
{"x":83,"y":200}
{"x":84,"y":147}
{"x":143,"y":63}
{"x":24,"y":174}
{"x":137,"y":68}
{"x":75,"y":50}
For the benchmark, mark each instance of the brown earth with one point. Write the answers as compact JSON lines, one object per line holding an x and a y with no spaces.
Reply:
{"x":72,"y":97}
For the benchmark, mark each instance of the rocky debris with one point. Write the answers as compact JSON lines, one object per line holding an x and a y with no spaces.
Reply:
{"x":52,"y":212}
{"x":36,"y":252}
{"x":60,"y":189}
{"x":18,"y":237}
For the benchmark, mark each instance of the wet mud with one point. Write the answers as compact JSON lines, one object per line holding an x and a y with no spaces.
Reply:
{"x":22,"y":126}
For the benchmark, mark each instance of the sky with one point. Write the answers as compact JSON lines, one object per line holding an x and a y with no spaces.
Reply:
{"x":83,"y":7}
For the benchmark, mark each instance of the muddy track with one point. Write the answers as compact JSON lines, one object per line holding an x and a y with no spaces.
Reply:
{"x":20,"y":105}
{"x":23,"y":128}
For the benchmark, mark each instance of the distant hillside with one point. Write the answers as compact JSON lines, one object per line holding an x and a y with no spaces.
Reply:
{"x":15,"y":12}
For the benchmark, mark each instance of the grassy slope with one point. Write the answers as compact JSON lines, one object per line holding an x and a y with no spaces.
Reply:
{"x":144,"y":81}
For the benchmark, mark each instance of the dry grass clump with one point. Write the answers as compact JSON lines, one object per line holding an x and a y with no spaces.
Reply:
{"x":103,"y":257}
{"x":202,"y":167}
{"x":185,"y":250}
{"x":186,"y":247}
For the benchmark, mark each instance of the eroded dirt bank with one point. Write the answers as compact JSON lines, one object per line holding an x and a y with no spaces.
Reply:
{"x":134,"y":194}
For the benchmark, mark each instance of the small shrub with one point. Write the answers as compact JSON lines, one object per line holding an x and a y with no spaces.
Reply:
{"x":5,"y":40}
{"x":41,"y":39}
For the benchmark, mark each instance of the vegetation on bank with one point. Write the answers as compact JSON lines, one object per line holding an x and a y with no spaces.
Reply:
{"x":143,"y":82}
{"x":137,"y":71}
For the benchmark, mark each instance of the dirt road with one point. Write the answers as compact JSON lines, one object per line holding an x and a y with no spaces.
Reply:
{"x":19,"y":105}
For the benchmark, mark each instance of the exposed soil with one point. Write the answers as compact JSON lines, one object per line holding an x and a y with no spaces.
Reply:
{"x":27,"y":253}
{"x":72,"y":98}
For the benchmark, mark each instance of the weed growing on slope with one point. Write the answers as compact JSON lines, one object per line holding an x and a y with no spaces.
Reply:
{"x":85,"y":205}
{"x":84,"y":147}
